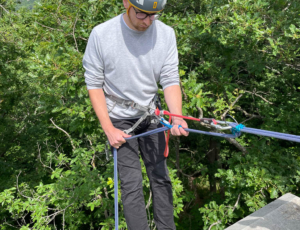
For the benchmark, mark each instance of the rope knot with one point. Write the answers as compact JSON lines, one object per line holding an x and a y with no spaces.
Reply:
{"x":237,"y":129}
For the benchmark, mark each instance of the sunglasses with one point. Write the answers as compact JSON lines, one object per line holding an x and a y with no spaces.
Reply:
{"x":143,"y":15}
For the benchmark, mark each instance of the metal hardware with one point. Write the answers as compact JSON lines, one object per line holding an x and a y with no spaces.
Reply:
{"x":221,"y":125}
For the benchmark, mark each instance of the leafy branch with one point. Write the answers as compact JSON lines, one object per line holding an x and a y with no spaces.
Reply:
{"x":233,"y":208}
{"x":64,"y":132}
{"x":4,"y":9}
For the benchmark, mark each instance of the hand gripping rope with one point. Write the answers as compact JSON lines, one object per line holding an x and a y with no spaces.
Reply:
{"x":220,"y":125}
{"x":235,"y":128}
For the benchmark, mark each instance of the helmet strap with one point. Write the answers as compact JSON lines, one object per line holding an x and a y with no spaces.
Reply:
{"x":127,"y":11}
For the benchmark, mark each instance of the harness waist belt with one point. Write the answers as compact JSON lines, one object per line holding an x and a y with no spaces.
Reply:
{"x":149,"y":110}
{"x":132,"y":104}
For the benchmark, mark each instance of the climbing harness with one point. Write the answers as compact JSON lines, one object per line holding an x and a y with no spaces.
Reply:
{"x":132,"y":104}
{"x":148,"y":110}
{"x":235,"y":128}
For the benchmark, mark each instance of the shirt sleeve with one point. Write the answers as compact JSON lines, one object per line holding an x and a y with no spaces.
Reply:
{"x":93,"y":63}
{"x":169,"y":73}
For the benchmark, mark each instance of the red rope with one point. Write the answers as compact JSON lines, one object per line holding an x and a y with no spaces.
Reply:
{"x":163,"y":112}
{"x":158,"y":112}
{"x":167,"y":137}
{"x":176,"y":115}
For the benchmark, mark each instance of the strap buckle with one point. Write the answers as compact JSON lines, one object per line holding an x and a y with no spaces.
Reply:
{"x":123,"y":104}
{"x":133,"y":105}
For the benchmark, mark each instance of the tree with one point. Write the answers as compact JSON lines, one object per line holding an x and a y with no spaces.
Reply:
{"x":238,"y":58}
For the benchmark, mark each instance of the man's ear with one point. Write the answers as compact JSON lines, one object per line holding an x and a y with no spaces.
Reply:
{"x":126,"y":3}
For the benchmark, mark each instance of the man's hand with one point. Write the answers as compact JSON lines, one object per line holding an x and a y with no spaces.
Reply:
{"x":178,"y":132}
{"x":116,"y":137}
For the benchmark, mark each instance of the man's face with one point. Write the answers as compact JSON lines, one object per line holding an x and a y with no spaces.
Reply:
{"x":138,"y":24}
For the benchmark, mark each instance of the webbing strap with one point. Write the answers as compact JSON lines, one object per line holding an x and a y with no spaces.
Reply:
{"x":127,"y":131}
{"x":132,"y":104}
{"x":149,"y":110}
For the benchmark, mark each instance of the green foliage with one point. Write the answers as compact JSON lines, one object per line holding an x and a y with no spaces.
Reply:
{"x":240,"y":58}
{"x":237,"y":57}
{"x":27,"y":3}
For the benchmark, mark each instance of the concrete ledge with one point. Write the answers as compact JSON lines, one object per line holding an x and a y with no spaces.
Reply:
{"x":281,"y":214}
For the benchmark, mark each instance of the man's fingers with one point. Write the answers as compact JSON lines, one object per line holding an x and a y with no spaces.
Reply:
{"x":183,"y":132}
{"x":122,"y":140}
{"x":175,"y":131}
{"x":117,"y":138}
{"x":117,"y":143}
{"x":178,"y":130}
{"x":126,"y":135}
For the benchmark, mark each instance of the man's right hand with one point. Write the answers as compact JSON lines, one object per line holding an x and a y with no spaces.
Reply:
{"x":116,"y":137}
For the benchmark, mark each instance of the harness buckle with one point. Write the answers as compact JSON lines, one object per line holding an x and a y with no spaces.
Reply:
{"x":133,"y":104}
{"x":123,"y":104}
{"x":127,"y":131}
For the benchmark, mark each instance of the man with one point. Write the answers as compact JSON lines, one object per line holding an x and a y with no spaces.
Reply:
{"x":124,"y":59}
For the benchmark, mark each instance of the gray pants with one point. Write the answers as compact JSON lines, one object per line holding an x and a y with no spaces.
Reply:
{"x":129,"y":168}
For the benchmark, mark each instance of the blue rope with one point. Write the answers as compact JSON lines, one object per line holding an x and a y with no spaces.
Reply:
{"x":116,"y":188}
{"x":237,"y":129}
{"x":158,"y":130}
{"x":260,"y":132}
{"x":167,"y":126}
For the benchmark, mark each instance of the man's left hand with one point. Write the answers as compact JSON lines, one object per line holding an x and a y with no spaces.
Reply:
{"x":175,"y":131}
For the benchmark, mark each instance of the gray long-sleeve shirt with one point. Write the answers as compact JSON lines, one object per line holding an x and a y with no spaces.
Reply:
{"x":128,"y":63}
